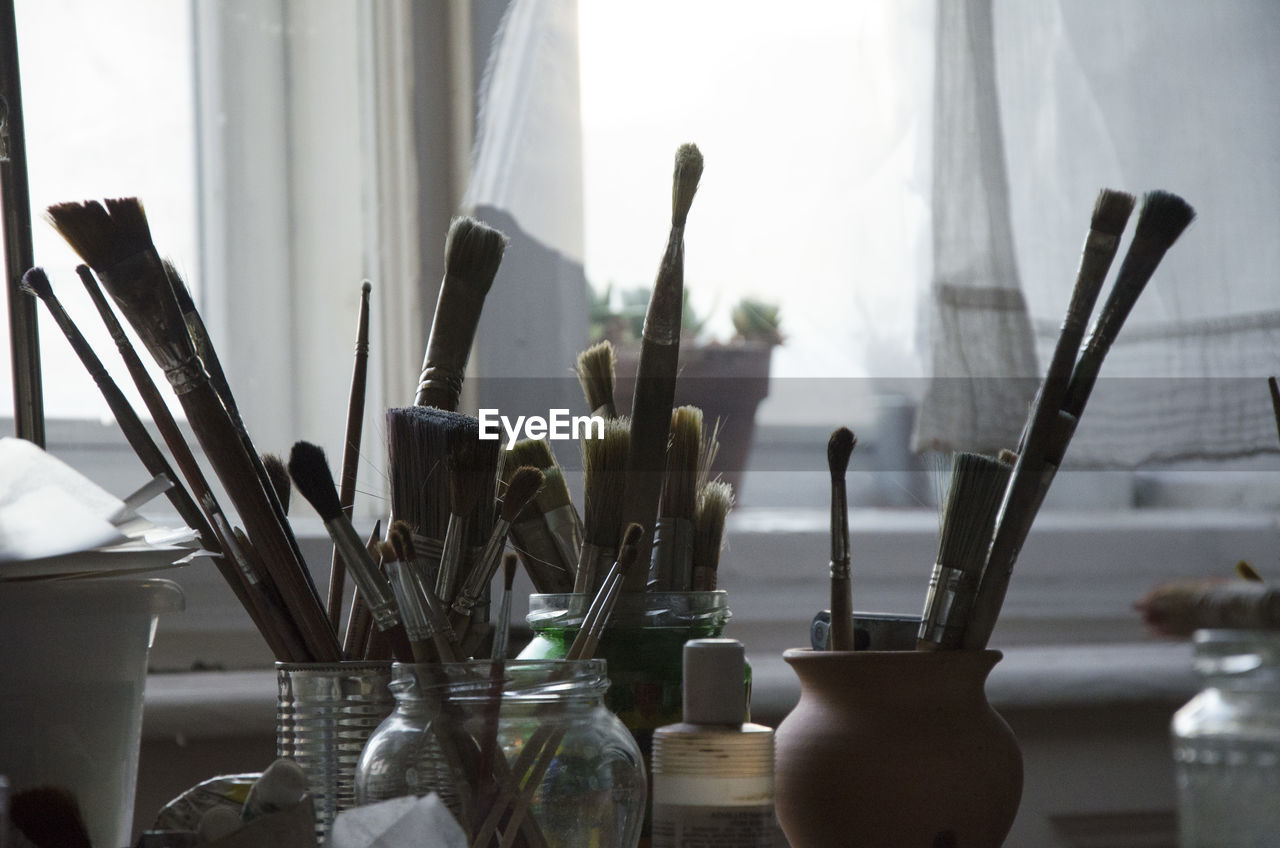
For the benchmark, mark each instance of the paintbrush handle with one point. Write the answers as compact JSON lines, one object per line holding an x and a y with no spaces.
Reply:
{"x":453,"y":330}
{"x":351,"y":448}
{"x":276,"y":628}
{"x":485,"y":567}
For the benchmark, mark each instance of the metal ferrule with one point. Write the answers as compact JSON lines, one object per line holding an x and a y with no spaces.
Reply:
{"x":486,"y":565}
{"x":440,"y":379}
{"x":375,"y":589}
{"x":566,"y":530}
{"x":947,"y":605}
{"x":412,"y":610}
{"x":451,"y":558}
{"x":839,"y":530}
{"x":426,"y":558}
{"x":671,"y":567}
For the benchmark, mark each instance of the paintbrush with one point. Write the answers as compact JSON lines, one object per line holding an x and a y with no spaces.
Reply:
{"x":472,"y":254}
{"x":604,"y":466}
{"x":279,"y":477}
{"x":1161,"y":220}
{"x":656,"y":371}
{"x":672,"y":567}
{"x":277,"y":628}
{"x":351,"y":448}
{"x":518,"y":787}
{"x":412,"y":608}
{"x":358,"y":619}
{"x":36,"y":283}
{"x":548,"y":534}
{"x":116,"y":242}
{"x":502,"y":631}
{"x":715,"y":499}
{"x":977,"y":488}
{"x":596,"y":374}
{"x":430,"y":611}
{"x":839,"y":449}
{"x":1180,"y":608}
{"x":1274,"y":387}
{"x":523,"y":485}
{"x":310,"y":472}
{"x":466,"y":485}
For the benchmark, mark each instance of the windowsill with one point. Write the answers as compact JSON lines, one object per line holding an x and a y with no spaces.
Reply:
{"x":238,"y":704}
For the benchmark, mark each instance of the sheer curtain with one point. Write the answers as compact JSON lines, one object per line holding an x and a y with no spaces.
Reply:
{"x":1140,"y":95}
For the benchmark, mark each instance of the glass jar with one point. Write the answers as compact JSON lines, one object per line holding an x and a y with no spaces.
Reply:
{"x":1226,"y":742}
{"x":464,"y":730}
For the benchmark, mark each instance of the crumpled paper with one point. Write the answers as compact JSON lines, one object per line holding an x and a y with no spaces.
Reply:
{"x":398,"y":823}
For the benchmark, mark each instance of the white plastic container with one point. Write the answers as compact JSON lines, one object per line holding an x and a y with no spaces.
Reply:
{"x":73,"y":664}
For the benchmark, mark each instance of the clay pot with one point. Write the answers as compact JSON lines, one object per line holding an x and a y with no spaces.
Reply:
{"x":895,"y":748}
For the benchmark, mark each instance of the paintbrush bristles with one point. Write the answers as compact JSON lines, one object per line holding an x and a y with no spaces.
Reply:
{"x":596,"y":369}
{"x":521,"y":488}
{"x":688,"y":172}
{"x":554,"y":492}
{"x":510,"y":562}
{"x":1163,"y":217}
{"x":839,"y":448}
{"x":977,"y":487}
{"x":310,"y":472}
{"x":473,"y":252}
{"x":604,"y":466}
{"x":535,"y":452}
{"x":466,"y":479}
{"x":103,"y":234}
{"x":715,"y":500}
{"x":279,"y":477}
{"x":679,"y":492}
{"x":400,"y":534}
{"x":1111,"y":212}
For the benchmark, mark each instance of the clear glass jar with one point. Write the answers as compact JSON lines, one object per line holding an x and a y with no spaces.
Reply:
{"x":446,"y":736}
{"x":1226,"y":743}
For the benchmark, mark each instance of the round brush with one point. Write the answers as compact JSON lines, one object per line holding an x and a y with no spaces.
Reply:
{"x":672,"y":568}
{"x":839,"y":449}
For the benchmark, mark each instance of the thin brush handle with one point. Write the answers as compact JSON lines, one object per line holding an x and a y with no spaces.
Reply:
{"x":841,"y":577}
{"x":24,"y":333}
{"x":358,"y":621}
{"x":351,"y":448}
{"x":451,"y":559}
{"x":486,"y":566}
{"x":130,"y":424}
{"x":502,"y":630}
{"x":276,"y":628}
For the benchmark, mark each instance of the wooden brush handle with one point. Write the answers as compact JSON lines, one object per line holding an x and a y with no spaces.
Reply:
{"x":449,"y":346}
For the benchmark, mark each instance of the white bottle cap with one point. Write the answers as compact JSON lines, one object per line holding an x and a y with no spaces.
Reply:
{"x":714,"y":689}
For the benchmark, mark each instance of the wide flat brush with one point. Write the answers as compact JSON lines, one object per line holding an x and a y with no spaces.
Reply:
{"x":472,"y":254}
{"x":116,"y":242}
{"x":656,"y":371}
{"x":596,"y":369}
{"x":839,"y":449}
{"x":973,"y":501}
{"x":715,"y":499}
{"x":672,"y":567}
{"x":351,"y":448}
{"x":548,"y":534}
{"x":1162,"y":218}
{"x":604,"y":466}
{"x":310,"y":472}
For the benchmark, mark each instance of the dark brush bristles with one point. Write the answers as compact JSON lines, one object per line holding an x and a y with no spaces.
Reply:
{"x":488,"y":459}
{"x":535,"y":452}
{"x":400,"y":534}
{"x":510,"y":563}
{"x":554,"y":492}
{"x":466,"y":478}
{"x":604,"y":466}
{"x":279,"y":477}
{"x":1111,"y":212}
{"x":473,"y":251}
{"x":839,"y":449}
{"x":310,"y":473}
{"x":1245,"y":571}
{"x":180,"y":291}
{"x":36,"y":282}
{"x":521,"y":488}
{"x":49,"y":817}
{"x":1163,"y":217}
{"x":596,"y":373}
{"x":679,"y":491}
{"x":707,"y":452}
{"x":419,"y":440}
{"x":715,"y":500}
{"x":103,"y":234}
{"x":685,"y":183}
{"x":628,"y":551}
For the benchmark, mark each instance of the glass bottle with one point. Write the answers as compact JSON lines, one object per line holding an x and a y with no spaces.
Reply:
{"x":1226,"y":742}
{"x":452,"y":734}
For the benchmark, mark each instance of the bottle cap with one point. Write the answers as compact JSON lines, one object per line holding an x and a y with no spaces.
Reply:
{"x":714,"y":691}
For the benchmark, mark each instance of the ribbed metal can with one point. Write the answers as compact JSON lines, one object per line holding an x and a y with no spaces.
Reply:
{"x":325,"y":712}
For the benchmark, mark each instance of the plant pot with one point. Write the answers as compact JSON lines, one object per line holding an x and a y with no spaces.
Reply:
{"x":895,"y":748}
{"x":727,"y":382}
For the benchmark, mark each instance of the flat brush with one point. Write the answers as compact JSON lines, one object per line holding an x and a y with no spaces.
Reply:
{"x":604,"y":466}
{"x":839,"y":449}
{"x":351,"y":448}
{"x":656,"y":372}
{"x":1162,"y":218}
{"x":672,"y":567}
{"x":977,"y":488}
{"x":472,"y":254}
{"x":596,"y":369}
{"x":548,"y":534}
{"x":36,"y":283}
{"x":310,"y":472}
{"x":521,"y":488}
{"x":715,"y":499}
{"x":116,"y":242}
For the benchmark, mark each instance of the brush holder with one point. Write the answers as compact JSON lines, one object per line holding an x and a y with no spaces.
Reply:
{"x":459,"y":730}
{"x":1226,"y":742}
{"x":325,"y":713}
{"x":895,"y":748}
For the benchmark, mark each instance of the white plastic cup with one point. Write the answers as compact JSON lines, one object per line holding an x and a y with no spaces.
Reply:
{"x":73,"y":664}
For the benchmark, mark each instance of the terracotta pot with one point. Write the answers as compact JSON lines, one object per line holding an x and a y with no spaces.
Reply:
{"x":895,"y":748}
